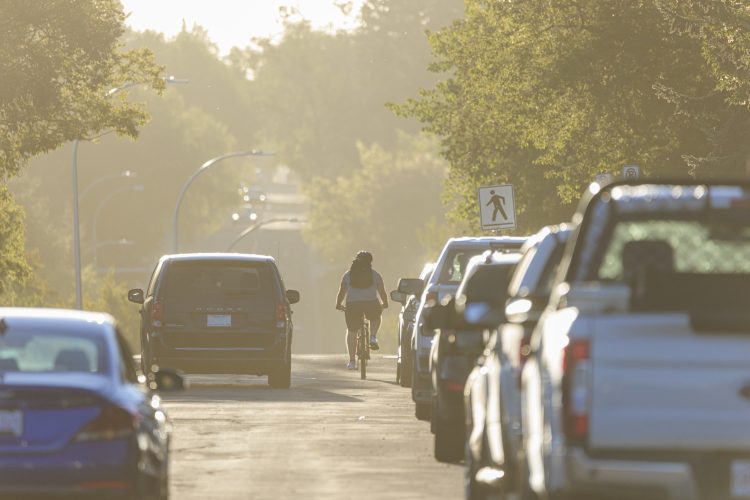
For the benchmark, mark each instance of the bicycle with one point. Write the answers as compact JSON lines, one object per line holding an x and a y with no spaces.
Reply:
{"x":363,"y":348}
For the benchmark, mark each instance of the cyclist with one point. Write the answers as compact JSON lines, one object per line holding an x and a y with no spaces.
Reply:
{"x":361,"y":285}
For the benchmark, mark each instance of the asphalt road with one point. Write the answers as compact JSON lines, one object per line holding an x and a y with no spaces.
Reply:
{"x":331,"y":436}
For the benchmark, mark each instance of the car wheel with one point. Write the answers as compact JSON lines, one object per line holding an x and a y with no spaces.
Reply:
{"x":280,"y":376}
{"x":406,"y":366}
{"x":449,"y":440}
{"x":423,"y":411}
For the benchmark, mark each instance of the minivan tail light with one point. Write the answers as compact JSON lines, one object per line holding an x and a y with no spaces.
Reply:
{"x":157,"y":313}
{"x":575,"y":397}
{"x":112,"y":422}
{"x":280,"y":316}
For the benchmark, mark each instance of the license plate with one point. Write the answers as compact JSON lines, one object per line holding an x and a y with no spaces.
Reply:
{"x":741,"y":478}
{"x":221,"y":320}
{"x":11,"y":422}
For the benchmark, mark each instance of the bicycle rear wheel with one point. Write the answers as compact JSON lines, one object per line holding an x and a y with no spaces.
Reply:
{"x":365,"y":351}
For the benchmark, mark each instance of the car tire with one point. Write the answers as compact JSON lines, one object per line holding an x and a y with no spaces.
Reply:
{"x":449,"y":440}
{"x":423,"y":411}
{"x":406,"y":366}
{"x":280,"y":376}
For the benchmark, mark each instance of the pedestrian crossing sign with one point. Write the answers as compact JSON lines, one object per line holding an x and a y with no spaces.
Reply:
{"x":497,"y":208}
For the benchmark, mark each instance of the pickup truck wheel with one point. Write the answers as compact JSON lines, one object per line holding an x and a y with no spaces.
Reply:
{"x":449,"y":441}
{"x":280,"y":376}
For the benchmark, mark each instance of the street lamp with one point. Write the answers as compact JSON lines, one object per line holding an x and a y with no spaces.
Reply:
{"x":139,"y":188}
{"x":257,"y":226}
{"x":210,"y":163}
{"x":125,"y":174}
{"x":76,"y":227}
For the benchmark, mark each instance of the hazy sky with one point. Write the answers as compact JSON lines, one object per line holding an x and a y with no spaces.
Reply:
{"x":233,"y":22}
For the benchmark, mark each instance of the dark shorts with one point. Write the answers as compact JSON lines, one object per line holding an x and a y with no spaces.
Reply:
{"x":357,"y":311}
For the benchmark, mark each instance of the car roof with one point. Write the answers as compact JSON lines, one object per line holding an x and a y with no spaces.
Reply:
{"x":212,"y":256}
{"x":470,"y":241}
{"x":493,"y":258}
{"x":56,"y":319}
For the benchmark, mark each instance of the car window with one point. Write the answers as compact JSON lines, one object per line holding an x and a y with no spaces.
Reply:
{"x":489,"y":283}
{"x":681,"y":246}
{"x":455,"y":265}
{"x":218,"y":279}
{"x":152,"y":282}
{"x":52,"y":351}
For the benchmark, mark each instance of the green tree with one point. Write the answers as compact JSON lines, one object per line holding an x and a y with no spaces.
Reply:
{"x":546,"y":95}
{"x":58,"y":60}
{"x":722,"y":109}
{"x":319,"y":94}
{"x":387,"y":207}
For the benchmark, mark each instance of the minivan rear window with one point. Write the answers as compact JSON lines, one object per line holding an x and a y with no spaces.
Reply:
{"x":217,"y":279}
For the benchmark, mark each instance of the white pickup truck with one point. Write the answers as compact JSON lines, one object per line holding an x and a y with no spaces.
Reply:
{"x":638,"y":383}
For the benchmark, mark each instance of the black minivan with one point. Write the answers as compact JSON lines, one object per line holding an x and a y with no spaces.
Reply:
{"x":218,"y":313}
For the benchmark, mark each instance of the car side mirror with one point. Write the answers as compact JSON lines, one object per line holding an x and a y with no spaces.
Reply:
{"x":411,"y":286}
{"x":136,"y":295}
{"x":167,"y":380}
{"x":292,"y":296}
{"x":399,"y":297}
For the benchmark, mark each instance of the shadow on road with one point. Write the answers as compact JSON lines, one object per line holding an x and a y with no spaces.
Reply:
{"x":257,"y":392}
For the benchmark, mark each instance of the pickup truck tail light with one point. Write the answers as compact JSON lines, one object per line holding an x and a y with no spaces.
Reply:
{"x":576,"y":390}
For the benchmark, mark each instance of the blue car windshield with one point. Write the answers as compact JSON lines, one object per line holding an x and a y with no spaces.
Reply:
{"x":23,"y":351}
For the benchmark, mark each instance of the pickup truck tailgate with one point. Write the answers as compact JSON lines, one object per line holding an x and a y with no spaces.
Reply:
{"x":657,"y":384}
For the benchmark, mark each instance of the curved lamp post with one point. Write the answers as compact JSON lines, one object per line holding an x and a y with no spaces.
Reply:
{"x":257,"y":226}
{"x":210,"y":163}
{"x":76,"y":228}
{"x":125,"y":174}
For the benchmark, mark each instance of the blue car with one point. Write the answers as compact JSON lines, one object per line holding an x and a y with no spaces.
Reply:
{"x":75,"y":417}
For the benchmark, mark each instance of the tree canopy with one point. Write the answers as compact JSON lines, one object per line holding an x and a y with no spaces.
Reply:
{"x":547,"y":94}
{"x":59,"y":59}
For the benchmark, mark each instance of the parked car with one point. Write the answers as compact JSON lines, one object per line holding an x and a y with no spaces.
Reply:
{"x":218,"y":313}
{"x":448,"y":273}
{"x":408,"y":294}
{"x":75,"y":418}
{"x":459,"y":340}
{"x":492,"y":393}
{"x":638,"y":380}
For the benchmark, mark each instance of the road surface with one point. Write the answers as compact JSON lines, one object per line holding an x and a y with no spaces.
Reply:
{"x":331,"y":436}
